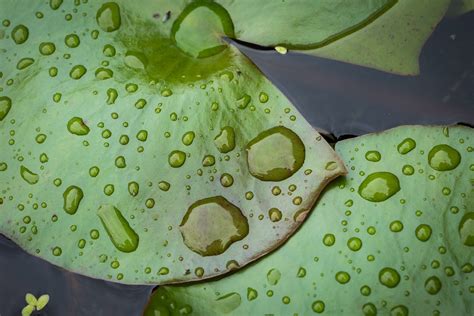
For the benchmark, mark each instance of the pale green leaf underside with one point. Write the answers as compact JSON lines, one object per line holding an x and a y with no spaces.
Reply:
{"x":86,"y":180}
{"x":301,"y":276}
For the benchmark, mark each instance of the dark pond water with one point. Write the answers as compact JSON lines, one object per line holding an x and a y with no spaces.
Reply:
{"x":338,"y":98}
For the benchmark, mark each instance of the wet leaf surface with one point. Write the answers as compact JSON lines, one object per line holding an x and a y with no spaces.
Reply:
{"x":141,"y":158}
{"x":394,"y":236}
{"x":70,"y":294}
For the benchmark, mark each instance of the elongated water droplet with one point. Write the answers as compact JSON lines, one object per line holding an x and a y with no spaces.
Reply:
{"x":29,"y":176}
{"x":188,"y":138}
{"x":275,"y":154}
{"x":121,"y":234}
{"x":133,"y":188}
{"x":407,"y":145}
{"x":108,"y":17}
{"x":379,"y":186}
{"x":443,"y":158}
{"x":225,"y":140}
{"x":77,"y":126}
{"x":228,"y":225}
{"x":77,"y":72}
{"x":5,"y":106}
{"x":466,"y":229}
{"x":72,"y":198}
{"x":24,"y":63}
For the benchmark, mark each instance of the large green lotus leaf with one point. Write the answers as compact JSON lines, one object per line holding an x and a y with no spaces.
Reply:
{"x":124,"y":158}
{"x":392,"y":42}
{"x":395,"y":236}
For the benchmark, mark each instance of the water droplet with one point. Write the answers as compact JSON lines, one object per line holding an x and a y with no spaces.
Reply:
{"x":433,"y":285}
{"x":24,"y":63}
{"x":343,"y":277}
{"x":108,"y":17}
{"x":77,"y":72}
{"x":72,"y":40}
{"x":199,"y":272}
{"x":109,"y":51}
{"x":208,"y":161}
{"x":389,"y":277}
{"x":274,"y":214}
{"x":120,"y":162}
{"x":47,"y":48}
{"x":109,"y":189}
{"x":354,"y":244}
{"x":5,"y":106}
{"x":399,"y":310}
{"x":29,"y":176}
{"x":72,"y":198}
{"x":77,"y":126}
{"x":273,"y":276}
{"x":318,"y":307}
{"x":103,"y":73}
{"x":251,"y":294}
{"x":369,"y":309}
{"x":55,"y":4}
{"x":166,"y":93}
{"x":444,"y":158}
{"x":123,"y":237}
{"x":20,"y":34}
{"x":142,"y":135}
{"x":466,"y":229}
{"x":176,"y":158}
{"x":275,"y":154}
{"x":244,"y":101}
{"x":408,"y":170}
{"x":263,"y":97}
{"x":228,"y":303}
{"x":227,"y":180}
{"x":423,"y":232}
{"x":57,"y":251}
{"x":199,"y":39}
{"x":228,"y":226}
{"x":329,"y":240}
{"x":225,"y":141}
{"x":407,"y":145}
{"x":396,"y":226}
{"x":379,"y":186}
{"x":133,"y":188}
{"x":281,"y":50}
{"x":373,"y":156}
{"x":188,"y":138}
{"x":163,"y":271}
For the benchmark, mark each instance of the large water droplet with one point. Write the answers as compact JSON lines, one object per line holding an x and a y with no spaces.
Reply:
{"x":28,"y":175}
{"x":121,"y":234}
{"x":225,"y":141}
{"x":389,"y":277}
{"x":466,"y":229}
{"x":20,"y":34}
{"x":199,"y":29}
{"x":77,"y":126}
{"x":275,"y":154}
{"x":211,"y":225}
{"x":443,"y":158}
{"x":72,"y":197}
{"x":379,"y":186}
{"x":108,"y":17}
{"x":5,"y":106}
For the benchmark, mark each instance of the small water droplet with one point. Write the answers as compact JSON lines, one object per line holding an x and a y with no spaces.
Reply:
{"x":251,"y":294}
{"x":274,"y":214}
{"x":5,"y":106}
{"x":77,"y":126}
{"x":444,"y":158}
{"x":423,"y":232}
{"x":226,"y":180}
{"x":120,"y":162}
{"x":55,"y":4}
{"x":273,"y":276}
{"x":407,"y":145}
{"x":433,"y":285}
{"x":72,"y":40}
{"x":123,"y":237}
{"x":379,"y":186}
{"x":396,"y":226}
{"x":228,"y":226}
{"x":72,"y":198}
{"x":57,"y":251}
{"x":47,"y":48}
{"x":318,"y":307}
{"x":275,"y":154}
{"x":104,"y":73}
{"x":20,"y":34}
{"x":77,"y":72}
{"x":373,"y":156}
{"x":208,"y":161}
{"x":343,"y":277}
{"x":29,"y":176}
{"x":329,"y":240}
{"x":354,"y":244}
{"x":399,"y":310}
{"x":466,"y":229}
{"x":176,"y":158}
{"x":408,"y":170}
{"x":188,"y":138}
{"x":225,"y":140}
{"x":389,"y":277}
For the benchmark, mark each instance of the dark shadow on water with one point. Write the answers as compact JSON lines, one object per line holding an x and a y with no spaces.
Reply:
{"x":71,"y":294}
{"x":343,"y":99}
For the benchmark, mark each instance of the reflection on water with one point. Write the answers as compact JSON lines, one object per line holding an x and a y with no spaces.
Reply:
{"x":71,"y":294}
